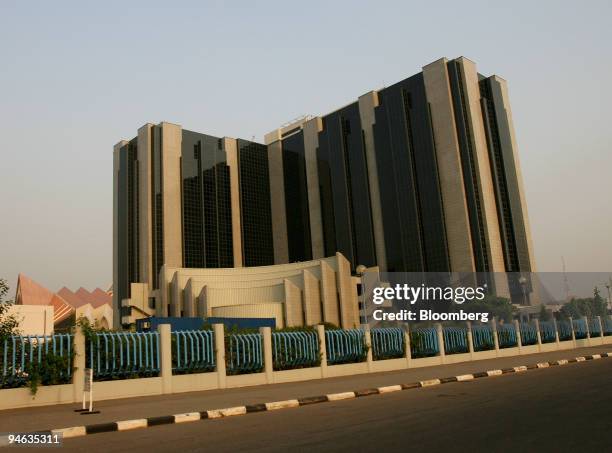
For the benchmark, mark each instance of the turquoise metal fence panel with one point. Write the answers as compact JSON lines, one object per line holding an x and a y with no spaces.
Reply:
{"x":594,"y":327}
{"x":547,"y":332}
{"x":193,"y":350}
{"x":345,"y":346}
{"x":565,"y":330}
{"x":244,"y":353}
{"x":482,"y":337}
{"x":424,"y":342}
{"x":387,"y":343}
{"x":506,"y":336}
{"x":455,"y":340}
{"x":18,"y":353}
{"x":295,"y":350}
{"x":580,"y":328}
{"x":529,"y":335}
{"x":607,"y":325}
{"x":121,"y":355}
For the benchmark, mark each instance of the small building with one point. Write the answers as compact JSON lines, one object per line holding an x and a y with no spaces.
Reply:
{"x":296,"y":294}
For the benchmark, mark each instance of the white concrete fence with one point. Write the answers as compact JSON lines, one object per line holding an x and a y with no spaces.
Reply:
{"x":167,"y":383}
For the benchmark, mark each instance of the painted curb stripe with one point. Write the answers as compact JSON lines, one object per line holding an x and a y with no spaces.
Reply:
{"x":312,"y":400}
{"x":190,"y":417}
{"x":163,"y":420}
{"x":390,"y":388}
{"x":465,"y":377}
{"x":368,"y":392}
{"x":255,"y":408}
{"x":281,"y":405}
{"x":101,"y":428}
{"x":340,"y":396}
{"x":125,"y":425}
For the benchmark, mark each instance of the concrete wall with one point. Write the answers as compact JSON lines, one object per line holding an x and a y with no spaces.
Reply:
{"x":33,"y":319}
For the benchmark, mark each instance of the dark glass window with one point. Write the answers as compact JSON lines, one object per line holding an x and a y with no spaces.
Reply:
{"x":296,"y":198}
{"x":344,"y":188}
{"x":255,"y":207}
{"x":411,"y":203}
{"x":207,"y":221}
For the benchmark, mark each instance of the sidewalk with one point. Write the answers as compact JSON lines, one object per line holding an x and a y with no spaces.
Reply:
{"x":49,"y":417}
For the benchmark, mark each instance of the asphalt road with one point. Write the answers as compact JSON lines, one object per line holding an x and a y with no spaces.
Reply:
{"x":567,"y":408}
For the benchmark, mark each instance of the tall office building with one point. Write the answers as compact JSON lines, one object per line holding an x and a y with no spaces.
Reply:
{"x":421,"y":176}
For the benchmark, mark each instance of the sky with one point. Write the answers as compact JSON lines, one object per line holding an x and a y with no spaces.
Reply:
{"x":77,"y":77}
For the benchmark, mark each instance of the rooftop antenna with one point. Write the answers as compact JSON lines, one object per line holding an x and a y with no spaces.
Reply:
{"x":566,"y":287}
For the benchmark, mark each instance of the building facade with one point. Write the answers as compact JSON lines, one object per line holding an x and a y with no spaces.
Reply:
{"x":420,"y":176}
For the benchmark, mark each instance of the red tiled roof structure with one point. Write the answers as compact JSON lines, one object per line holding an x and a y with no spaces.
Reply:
{"x":64,"y":302}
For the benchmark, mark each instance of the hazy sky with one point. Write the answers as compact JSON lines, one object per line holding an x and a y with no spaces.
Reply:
{"x":76,"y":79}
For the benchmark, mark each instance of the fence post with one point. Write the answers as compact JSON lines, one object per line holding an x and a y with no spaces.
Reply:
{"x":368,"y":341}
{"x":601,"y":327}
{"x":571,"y":321}
{"x":266,"y":333}
{"x":78,"y":375}
{"x":165,"y":349}
{"x":556,"y":331}
{"x":519,"y":340}
{"x":441,"y":342}
{"x":322,"y":349}
{"x":538,"y":336}
{"x":495,"y":337}
{"x":407,"y":347}
{"x":220,"y":354}
{"x":470,"y":340}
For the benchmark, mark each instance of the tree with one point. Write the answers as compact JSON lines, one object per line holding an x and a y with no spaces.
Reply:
{"x":499,"y":307}
{"x":8,"y":322}
{"x":544,"y":313}
{"x":589,"y":307}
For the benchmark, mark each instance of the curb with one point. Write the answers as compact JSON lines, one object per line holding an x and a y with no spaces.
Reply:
{"x":126,"y":425}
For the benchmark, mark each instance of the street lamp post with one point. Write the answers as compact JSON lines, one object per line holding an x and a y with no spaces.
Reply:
{"x":361,"y":271}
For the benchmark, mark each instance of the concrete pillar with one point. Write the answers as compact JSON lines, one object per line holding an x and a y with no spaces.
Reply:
{"x":407,"y":347}
{"x":368,"y":342}
{"x":556,"y":332}
{"x":78,"y":375}
{"x":220,"y":354}
{"x":494,"y":333}
{"x":519,"y":340}
{"x":470,"y":340}
{"x":539,"y":337}
{"x":322,"y":349}
{"x":586,"y":326}
{"x":571,"y":321}
{"x":266,"y":333}
{"x":440,"y":341}
{"x":601,"y":330}
{"x":165,"y":353}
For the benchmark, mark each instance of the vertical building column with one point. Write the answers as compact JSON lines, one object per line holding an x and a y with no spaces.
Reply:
{"x":482,"y":164}
{"x":145,"y":214}
{"x":293,"y":305}
{"x":311,"y":130}
{"x":231,"y":149}
{"x":116,"y":252}
{"x":349,"y":313}
{"x":437,"y":90}
{"x":312,"y":298}
{"x":277,"y":201}
{"x":367,"y":103}
{"x":172,"y":138}
{"x":329,"y":294}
